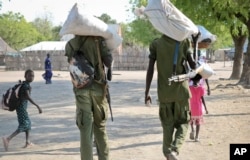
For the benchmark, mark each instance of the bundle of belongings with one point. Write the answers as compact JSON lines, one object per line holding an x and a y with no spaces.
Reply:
{"x":205,"y":39}
{"x":168,"y":20}
{"x":81,"y":22}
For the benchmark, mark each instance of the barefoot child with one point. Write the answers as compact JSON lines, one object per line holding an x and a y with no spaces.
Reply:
{"x":196,"y":102}
{"x":22,"y":114}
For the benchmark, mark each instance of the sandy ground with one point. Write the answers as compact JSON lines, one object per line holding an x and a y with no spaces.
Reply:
{"x":135,"y":133}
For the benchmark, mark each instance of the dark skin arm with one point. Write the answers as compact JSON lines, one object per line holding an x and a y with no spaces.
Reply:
{"x":208,"y":88}
{"x":191,"y":61}
{"x":107,"y":60}
{"x":149,"y":77}
{"x":31,"y":101}
{"x":203,"y":101}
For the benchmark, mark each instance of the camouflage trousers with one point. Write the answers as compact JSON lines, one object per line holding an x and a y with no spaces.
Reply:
{"x":91,"y":117}
{"x":174,"y":118}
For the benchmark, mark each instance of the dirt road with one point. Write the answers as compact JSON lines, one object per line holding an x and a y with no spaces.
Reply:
{"x":135,"y":133}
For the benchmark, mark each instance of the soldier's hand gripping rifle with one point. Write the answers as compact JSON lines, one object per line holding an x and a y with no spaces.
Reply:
{"x":204,"y":70}
{"x":181,"y":77}
{"x":189,"y":73}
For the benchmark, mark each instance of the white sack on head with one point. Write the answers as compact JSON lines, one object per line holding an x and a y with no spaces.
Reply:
{"x":205,"y":34}
{"x":167,"y":19}
{"x":80,"y":22}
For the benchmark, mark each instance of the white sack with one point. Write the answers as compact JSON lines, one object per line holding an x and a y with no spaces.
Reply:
{"x":205,"y":71}
{"x":205,"y":34}
{"x":115,"y":40}
{"x":81,"y":22}
{"x":167,"y":19}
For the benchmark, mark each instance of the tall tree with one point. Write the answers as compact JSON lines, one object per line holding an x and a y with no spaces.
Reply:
{"x":141,"y":32}
{"x":239,"y":40}
{"x":244,"y":16}
{"x":235,"y":13}
{"x":55,"y":33}
{"x":16,"y":31}
{"x":218,"y":16}
{"x":43,"y":26}
{"x":191,"y":10}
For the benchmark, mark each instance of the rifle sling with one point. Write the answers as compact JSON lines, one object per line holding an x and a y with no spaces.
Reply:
{"x":103,"y":76}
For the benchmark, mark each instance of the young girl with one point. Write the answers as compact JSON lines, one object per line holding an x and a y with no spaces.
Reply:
{"x":196,"y":102}
{"x":202,"y":81}
{"x":22,"y":114}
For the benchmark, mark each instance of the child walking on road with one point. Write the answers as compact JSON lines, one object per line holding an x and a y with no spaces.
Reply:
{"x":21,"y":111}
{"x":197,"y":102}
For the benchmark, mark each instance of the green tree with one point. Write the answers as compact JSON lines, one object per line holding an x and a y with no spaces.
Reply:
{"x":220,"y":17}
{"x":216,"y":16}
{"x":242,"y":13}
{"x":140,"y":31}
{"x":16,"y":31}
{"x":55,"y":33}
{"x":197,"y":19}
{"x":235,"y":15}
{"x":44,"y":26}
{"x":107,"y":19}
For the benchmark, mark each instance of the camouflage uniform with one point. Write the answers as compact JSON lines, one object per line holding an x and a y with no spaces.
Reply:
{"x":91,"y":103}
{"x":174,"y":98}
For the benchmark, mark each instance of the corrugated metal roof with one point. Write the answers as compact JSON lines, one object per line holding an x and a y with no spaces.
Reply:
{"x":46,"y":46}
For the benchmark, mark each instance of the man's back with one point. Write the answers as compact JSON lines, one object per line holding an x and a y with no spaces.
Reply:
{"x":92,"y":47}
{"x":163,"y":51}
{"x":91,"y":102}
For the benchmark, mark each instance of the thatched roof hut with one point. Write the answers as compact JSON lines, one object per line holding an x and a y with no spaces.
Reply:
{"x":4,"y":49}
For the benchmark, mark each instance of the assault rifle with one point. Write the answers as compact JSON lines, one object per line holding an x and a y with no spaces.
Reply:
{"x":181,"y":77}
{"x":109,"y":77}
{"x":109,"y":102}
{"x":204,"y":70}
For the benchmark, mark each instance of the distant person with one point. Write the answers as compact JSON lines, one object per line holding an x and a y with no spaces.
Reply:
{"x":21,"y":111}
{"x":87,"y":56}
{"x":197,"y":103}
{"x":48,"y":70}
{"x":174,"y":109}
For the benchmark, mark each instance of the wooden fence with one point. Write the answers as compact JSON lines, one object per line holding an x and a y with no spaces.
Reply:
{"x":132,"y":58}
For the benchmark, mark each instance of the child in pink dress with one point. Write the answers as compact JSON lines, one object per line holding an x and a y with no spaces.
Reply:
{"x":202,"y":81}
{"x":196,"y":102}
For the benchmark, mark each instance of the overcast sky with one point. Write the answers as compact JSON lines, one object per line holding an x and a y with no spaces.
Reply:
{"x":59,"y":9}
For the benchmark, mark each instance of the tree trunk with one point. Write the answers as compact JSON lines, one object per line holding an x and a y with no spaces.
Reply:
{"x":245,"y":76}
{"x":239,"y":41}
